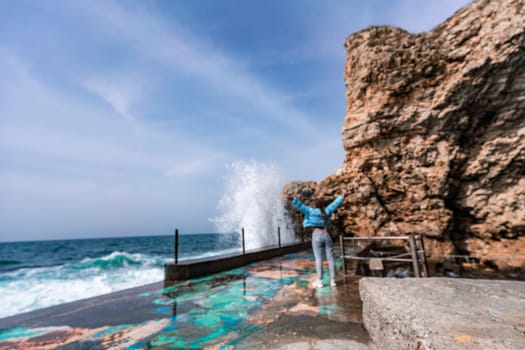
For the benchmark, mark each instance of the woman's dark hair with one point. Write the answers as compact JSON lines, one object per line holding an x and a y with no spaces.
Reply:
{"x":320,"y":205}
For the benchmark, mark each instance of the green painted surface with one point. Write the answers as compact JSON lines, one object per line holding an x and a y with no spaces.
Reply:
{"x":19,"y":333}
{"x":208,"y":311}
{"x":302,"y":284}
{"x":329,"y":309}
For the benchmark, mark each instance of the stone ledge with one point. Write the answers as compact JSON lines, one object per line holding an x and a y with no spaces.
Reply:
{"x":444,"y":313}
{"x":204,"y":267}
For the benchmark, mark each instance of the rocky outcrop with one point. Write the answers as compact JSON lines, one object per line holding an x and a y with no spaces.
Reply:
{"x":434,"y":135}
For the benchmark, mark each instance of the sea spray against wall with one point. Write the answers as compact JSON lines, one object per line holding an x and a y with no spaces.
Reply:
{"x":252,"y":200}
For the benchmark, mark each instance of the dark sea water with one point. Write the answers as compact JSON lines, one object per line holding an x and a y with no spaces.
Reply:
{"x":44,"y":273}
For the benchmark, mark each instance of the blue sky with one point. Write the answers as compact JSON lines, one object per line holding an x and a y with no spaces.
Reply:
{"x":120,"y":117}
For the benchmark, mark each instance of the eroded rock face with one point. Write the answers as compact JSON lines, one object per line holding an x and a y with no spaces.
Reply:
{"x":434,"y":134}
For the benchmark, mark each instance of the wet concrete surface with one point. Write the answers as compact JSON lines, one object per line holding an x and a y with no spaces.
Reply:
{"x":265,"y":305}
{"x":302,"y":317}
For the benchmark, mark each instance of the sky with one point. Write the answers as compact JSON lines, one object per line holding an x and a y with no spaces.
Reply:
{"x":121,"y":118}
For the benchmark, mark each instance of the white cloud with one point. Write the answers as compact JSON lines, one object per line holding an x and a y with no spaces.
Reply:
{"x":194,"y":166}
{"x":121,"y":95}
{"x":179,"y":50}
{"x":61,"y":126}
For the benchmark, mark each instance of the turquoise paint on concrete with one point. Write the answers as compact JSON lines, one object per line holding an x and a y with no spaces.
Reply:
{"x":288,"y":280}
{"x":170,"y":328}
{"x":163,"y":310}
{"x":137,"y":346}
{"x":302,"y":284}
{"x":212,"y":310}
{"x":211,"y":337}
{"x":329,"y":309}
{"x":20,"y":333}
{"x":171,"y":340}
{"x":229,"y":321}
{"x":162,"y":302}
{"x":221,"y":310}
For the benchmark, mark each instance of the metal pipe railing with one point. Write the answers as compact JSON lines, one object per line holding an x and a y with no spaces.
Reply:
{"x":243,"y":245}
{"x":417,"y":253}
{"x":176,"y":246}
{"x":243,"y":242}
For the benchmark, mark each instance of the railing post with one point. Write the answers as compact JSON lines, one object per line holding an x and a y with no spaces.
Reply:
{"x":243,"y":246}
{"x":342,"y":243}
{"x":279,"y":235}
{"x":422,"y":255}
{"x":176,"y":246}
{"x":415,"y":258}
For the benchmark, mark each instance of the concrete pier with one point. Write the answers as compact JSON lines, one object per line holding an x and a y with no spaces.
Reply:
{"x":444,"y":313}
{"x":204,"y":267}
{"x":265,"y":305}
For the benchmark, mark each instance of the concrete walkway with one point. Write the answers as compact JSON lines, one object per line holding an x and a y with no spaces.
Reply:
{"x":444,"y":313}
{"x":265,"y":305}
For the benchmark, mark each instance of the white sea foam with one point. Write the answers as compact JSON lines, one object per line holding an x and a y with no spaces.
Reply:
{"x":251,"y":201}
{"x":26,"y":290}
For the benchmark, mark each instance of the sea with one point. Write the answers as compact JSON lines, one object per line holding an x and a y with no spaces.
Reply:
{"x":34,"y":275}
{"x":39,"y":274}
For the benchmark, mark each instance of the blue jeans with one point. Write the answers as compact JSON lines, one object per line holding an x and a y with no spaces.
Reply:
{"x":320,"y":239}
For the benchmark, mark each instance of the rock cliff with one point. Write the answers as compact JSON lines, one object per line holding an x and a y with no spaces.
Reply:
{"x":434,"y":136}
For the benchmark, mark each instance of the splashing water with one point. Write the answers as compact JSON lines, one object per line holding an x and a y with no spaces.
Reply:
{"x":252,"y":200}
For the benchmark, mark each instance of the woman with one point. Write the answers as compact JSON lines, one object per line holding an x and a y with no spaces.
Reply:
{"x":318,"y":219}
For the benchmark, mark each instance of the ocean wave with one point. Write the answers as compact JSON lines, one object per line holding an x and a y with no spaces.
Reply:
{"x":28,"y":289}
{"x":111,"y":261}
{"x":25,"y":290}
{"x":9,"y":262}
{"x":39,"y":291}
{"x":9,"y":265}
{"x":59,"y":248}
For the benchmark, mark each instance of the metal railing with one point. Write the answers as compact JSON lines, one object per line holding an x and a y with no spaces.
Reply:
{"x":243,"y":242}
{"x":375,"y":258}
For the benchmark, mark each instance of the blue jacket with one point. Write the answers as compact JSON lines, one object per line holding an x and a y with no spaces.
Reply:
{"x":313,"y":216}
